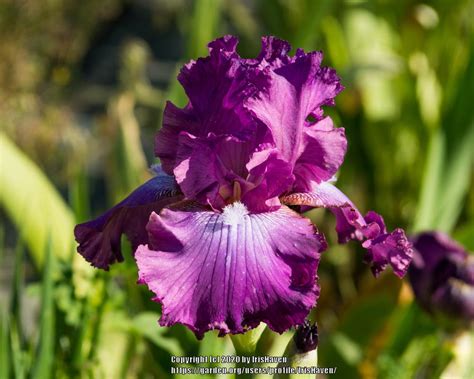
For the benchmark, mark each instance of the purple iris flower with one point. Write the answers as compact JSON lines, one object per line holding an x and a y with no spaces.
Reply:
{"x":442,"y":276}
{"x":215,"y":237}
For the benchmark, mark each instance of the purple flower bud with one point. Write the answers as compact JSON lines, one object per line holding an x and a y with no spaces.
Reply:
{"x":442,"y":276}
{"x":306,"y":337}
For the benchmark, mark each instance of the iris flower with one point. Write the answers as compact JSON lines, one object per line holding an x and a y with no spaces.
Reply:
{"x":442,"y":276}
{"x":215,"y":233}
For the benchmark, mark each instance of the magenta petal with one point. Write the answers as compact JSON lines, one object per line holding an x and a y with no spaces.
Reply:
{"x":273,"y":49}
{"x":99,"y":239}
{"x":272,"y":176}
{"x":297,"y":90}
{"x":175,"y":121}
{"x":206,"y":169}
{"x":231,"y":271}
{"x":324,"y":148}
{"x":203,"y":165}
{"x":383,"y":248}
{"x":216,"y":87}
{"x":392,"y":249}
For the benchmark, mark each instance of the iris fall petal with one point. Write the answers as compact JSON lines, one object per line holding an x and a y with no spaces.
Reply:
{"x":231,"y":270}
{"x":383,"y":248}
{"x":99,"y":239}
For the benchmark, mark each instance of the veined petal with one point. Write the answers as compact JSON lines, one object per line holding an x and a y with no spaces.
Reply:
{"x":99,"y":239}
{"x":230,"y":271}
{"x":383,"y":248}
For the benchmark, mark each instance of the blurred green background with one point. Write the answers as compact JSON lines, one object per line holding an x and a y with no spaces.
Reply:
{"x":82,"y":90}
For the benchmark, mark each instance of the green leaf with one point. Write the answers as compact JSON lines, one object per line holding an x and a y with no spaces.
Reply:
{"x":128,"y":163}
{"x":4,"y":347}
{"x":79,"y":194}
{"x":426,"y":211}
{"x":33,"y":204}
{"x":449,"y":161}
{"x":43,"y":362}
{"x":456,"y":181}
{"x":307,"y":34}
{"x":18,"y":356}
{"x":203,"y":27}
{"x":146,"y":325}
{"x":17,"y":287}
{"x":465,"y":235}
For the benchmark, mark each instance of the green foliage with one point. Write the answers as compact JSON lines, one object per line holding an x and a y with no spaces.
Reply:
{"x":34,"y":204}
{"x":44,"y":357}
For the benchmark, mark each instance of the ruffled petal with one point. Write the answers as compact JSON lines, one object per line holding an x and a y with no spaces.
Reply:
{"x":99,"y":239}
{"x":203,"y":165}
{"x":216,"y":87}
{"x":296,"y":91}
{"x":383,"y":248}
{"x":230,"y":271}
{"x":324,"y":148}
{"x":208,"y":168}
{"x":175,"y":121}
{"x":274,"y":49}
{"x":271,"y":176}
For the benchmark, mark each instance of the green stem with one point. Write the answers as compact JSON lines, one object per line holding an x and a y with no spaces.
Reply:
{"x":245,"y":345}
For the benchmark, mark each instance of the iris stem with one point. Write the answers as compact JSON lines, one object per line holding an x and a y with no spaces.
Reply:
{"x":245,"y":345}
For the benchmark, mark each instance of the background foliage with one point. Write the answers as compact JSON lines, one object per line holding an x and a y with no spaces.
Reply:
{"x":82,"y":90}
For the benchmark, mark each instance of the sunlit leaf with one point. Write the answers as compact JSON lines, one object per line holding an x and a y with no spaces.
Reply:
{"x":4,"y":347}
{"x":203,"y":26}
{"x":33,"y":204}
{"x":429,"y":193}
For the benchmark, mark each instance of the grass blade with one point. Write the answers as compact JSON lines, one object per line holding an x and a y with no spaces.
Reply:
{"x":4,"y":348}
{"x":426,"y":211}
{"x":43,"y":366}
{"x":17,"y":355}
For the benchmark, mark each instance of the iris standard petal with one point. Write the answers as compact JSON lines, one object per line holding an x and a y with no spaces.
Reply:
{"x":99,"y":239}
{"x":231,"y":270}
{"x":273,"y":101}
{"x":383,"y":248}
{"x":297,"y":90}
{"x":323,"y":151}
{"x":207,"y":170}
{"x":204,"y":165}
{"x":216,"y":87}
{"x":274,"y":49}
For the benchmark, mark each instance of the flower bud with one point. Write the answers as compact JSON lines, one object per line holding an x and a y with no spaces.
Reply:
{"x":442,"y":276}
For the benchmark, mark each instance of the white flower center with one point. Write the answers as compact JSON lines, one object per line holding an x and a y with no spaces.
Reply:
{"x":234,"y":214}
